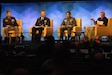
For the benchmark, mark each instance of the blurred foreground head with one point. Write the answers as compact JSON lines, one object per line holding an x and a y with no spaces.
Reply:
{"x":98,"y":56}
{"x":20,"y":71}
{"x":60,"y":52}
{"x":50,"y":40}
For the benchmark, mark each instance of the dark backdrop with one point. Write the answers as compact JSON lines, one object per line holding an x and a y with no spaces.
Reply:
{"x":0,"y":17}
{"x":21,"y":1}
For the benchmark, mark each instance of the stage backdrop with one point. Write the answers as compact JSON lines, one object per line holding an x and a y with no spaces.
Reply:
{"x":29,"y":12}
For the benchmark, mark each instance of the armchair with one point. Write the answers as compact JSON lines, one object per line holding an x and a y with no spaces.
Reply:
{"x":98,"y":31}
{"x":104,"y":30}
{"x":19,"y":22}
{"x":48,"y":30}
{"x":76,"y":29}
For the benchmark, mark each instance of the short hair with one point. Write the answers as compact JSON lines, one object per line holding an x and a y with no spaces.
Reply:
{"x":8,"y":11}
{"x":42,"y":11}
{"x":102,"y":12}
{"x":68,"y":12}
{"x":20,"y":71}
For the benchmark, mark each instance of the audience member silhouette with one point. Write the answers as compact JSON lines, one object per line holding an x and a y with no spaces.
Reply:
{"x":45,"y":50}
{"x":20,"y":71}
{"x":59,"y":64}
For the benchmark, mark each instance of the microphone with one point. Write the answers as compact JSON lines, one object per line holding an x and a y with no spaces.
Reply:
{"x":65,"y":20}
{"x":42,"y":18}
{"x":45,"y":21}
{"x":12,"y":21}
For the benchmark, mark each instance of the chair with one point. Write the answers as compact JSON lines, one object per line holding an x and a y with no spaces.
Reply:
{"x":76,"y":29}
{"x":12,"y":32}
{"x":98,"y":31}
{"x":19,"y":22}
{"x":89,"y":31}
{"x":48,"y":30}
{"x":104,"y":30}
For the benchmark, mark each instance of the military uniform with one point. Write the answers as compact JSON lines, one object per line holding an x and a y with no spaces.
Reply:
{"x":40,"y":21}
{"x":9,"y":23}
{"x":68,"y":23}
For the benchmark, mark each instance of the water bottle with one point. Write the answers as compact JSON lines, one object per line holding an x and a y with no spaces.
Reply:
{"x":21,"y":38}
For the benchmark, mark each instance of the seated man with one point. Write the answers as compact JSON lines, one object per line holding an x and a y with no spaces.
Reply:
{"x":9,"y":23}
{"x":101,"y":21}
{"x":40,"y":24}
{"x":67,"y":24}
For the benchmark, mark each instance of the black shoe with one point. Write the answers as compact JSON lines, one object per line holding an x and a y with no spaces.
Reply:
{"x":61,"y":38}
{"x":6,"y":40}
{"x":73,"y":38}
{"x":66,"y":38}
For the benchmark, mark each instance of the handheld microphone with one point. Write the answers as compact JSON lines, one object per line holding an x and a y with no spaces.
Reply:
{"x":65,"y":21}
{"x":42,"y":18}
{"x":45,"y":21}
{"x":12,"y":21}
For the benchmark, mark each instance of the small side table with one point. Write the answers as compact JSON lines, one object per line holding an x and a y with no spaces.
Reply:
{"x":10,"y":38}
{"x":89,"y":31}
{"x":11,"y":34}
{"x":78,"y":34}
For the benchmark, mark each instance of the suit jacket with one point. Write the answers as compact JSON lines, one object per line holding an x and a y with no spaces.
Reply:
{"x":9,"y":21}
{"x":45,"y":21}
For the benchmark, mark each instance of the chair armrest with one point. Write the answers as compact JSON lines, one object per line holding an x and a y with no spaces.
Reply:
{"x":102,"y":30}
{"x":30,"y":31}
{"x":59,"y":29}
{"x":77,"y":29}
{"x":20,"y":29}
{"x":3,"y":32}
{"x":101,"y":27}
{"x":48,"y":28}
{"x":48,"y":31}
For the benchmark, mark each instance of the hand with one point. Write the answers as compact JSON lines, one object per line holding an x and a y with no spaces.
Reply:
{"x":8,"y":26}
{"x":46,"y":25}
{"x":97,"y":25}
{"x":101,"y":25}
{"x":62,"y":26}
{"x":70,"y":26}
{"x":42,"y":26}
{"x":35,"y":26}
{"x":92,"y":19}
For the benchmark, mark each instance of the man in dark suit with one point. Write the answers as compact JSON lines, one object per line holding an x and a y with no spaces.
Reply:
{"x":9,"y":23}
{"x":39,"y":26}
{"x":67,"y":24}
